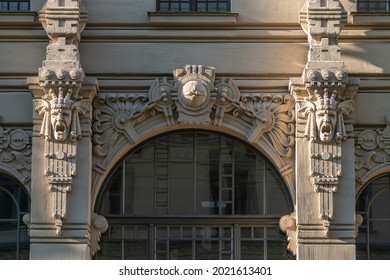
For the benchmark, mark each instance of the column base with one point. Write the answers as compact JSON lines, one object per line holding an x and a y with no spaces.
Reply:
{"x":326,"y":252}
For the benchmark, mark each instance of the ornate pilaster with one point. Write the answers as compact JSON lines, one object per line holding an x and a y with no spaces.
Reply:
{"x":62,"y":133}
{"x":324,"y":105}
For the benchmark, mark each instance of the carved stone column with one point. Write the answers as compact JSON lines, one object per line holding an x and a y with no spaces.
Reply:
{"x":62,"y":149}
{"x":325,"y":213}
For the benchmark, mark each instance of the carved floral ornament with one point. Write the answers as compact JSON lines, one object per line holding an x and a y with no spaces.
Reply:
{"x":193,"y":97}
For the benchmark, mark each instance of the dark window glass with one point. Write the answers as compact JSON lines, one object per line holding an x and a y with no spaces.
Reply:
{"x":184,"y":196}
{"x":14,"y":203}
{"x":373,"y":241}
{"x":193,"y":5}
{"x":14,"y":6}
{"x":373,"y":5}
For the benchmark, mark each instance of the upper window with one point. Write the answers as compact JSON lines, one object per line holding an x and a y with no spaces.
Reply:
{"x":373,"y":6}
{"x":193,"y":5}
{"x":15,"y":6}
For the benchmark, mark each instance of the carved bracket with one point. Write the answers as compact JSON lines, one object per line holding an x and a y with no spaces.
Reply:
{"x":99,"y":225}
{"x":288,"y":224}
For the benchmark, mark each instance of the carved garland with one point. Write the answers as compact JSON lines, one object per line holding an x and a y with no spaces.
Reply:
{"x":194,"y":97}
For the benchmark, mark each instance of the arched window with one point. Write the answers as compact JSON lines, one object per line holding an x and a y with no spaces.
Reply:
{"x":194,"y":195}
{"x":373,"y":241}
{"x":14,"y":203}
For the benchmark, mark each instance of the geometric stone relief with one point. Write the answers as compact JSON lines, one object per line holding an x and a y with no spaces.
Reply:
{"x":193,"y":97}
{"x":325,"y":130}
{"x":372,"y":153}
{"x":15,"y":153}
{"x":61,"y":129}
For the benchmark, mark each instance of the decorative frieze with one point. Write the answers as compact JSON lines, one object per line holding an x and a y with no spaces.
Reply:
{"x":194,"y":97}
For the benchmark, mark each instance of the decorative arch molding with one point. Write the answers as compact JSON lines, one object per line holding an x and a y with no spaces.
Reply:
{"x":193,"y":99}
{"x":15,"y":155}
{"x":372,"y":155}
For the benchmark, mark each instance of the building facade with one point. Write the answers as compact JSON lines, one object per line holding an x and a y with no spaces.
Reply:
{"x":194,"y":129}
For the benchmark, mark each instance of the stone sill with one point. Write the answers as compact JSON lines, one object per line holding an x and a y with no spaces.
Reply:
{"x":371,"y":18}
{"x":17,"y":17}
{"x":193,"y":17}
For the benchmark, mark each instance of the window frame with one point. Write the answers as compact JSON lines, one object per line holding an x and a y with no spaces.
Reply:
{"x":193,"y":6}
{"x":365,"y":6}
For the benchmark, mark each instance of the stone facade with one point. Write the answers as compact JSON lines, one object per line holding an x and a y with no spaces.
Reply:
{"x":293,"y":80}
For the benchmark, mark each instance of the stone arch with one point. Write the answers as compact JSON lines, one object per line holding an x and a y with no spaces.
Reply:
{"x":371,"y":175}
{"x":16,"y":175}
{"x":194,"y":99}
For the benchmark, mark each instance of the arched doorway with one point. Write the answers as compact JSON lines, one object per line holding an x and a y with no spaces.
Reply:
{"x":373,"y":241}
{"x":193,"y":195}
{"x":14,"y":203}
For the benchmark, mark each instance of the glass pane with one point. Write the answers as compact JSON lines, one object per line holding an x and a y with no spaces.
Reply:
{"x":180,"y":250}
{"x":207,"y":250}
{"x":110,"y":202}
{"x":23,"y":6}
{"x":136,"y":250}
{"x":140,"y":172}
{"x":277,"y":200}
{"x":109,"y":251}
{"x":252,"y":250}
{"x":3,"y":6}
{"x":276,"y":250}
{"x":13,"y":6}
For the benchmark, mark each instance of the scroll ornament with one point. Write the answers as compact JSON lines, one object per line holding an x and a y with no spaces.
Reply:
{"x":372,"y":153}
{"x":60,"y":129}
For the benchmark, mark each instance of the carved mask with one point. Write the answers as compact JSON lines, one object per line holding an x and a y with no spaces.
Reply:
{"x":61,"y":118}
{"x":326,"y":123}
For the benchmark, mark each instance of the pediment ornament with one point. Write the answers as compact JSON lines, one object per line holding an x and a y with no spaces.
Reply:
{"x":195,"y":97}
